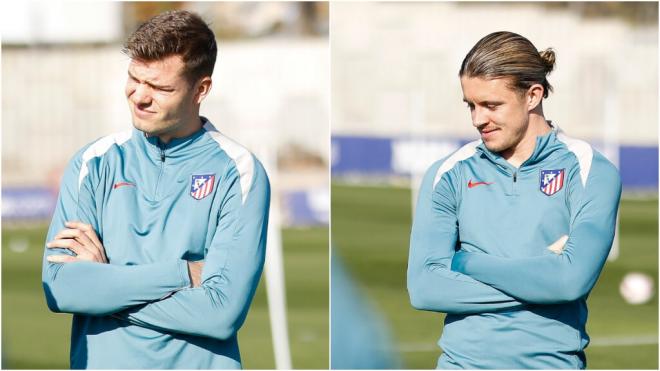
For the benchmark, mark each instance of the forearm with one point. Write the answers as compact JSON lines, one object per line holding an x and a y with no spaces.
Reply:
{"x":547,"y":279}
{"x":101,"y":289}
{"x":218,"y":308}
{"x":433,"y":287}
{"x":202,"y":311}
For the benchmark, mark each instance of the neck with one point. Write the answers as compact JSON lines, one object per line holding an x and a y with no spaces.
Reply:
{"x":186,"y":129}
{"x":537,"y":126}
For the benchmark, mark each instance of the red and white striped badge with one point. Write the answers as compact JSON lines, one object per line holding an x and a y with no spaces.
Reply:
{"x":552,"y":181}
{"x":201,"y":186}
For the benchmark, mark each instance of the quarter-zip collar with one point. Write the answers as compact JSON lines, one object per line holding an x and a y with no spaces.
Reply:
{"x":175,"y":149}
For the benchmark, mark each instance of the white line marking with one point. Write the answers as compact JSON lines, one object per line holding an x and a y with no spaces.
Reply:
{"x":595,"y":342}
{"x":624,"y":340}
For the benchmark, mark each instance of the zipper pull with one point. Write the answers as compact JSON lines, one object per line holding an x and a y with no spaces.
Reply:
{"x":162,"y":156}
{"x":515,"y":176}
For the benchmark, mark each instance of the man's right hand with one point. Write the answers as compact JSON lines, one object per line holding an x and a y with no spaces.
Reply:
{"x":195,"y":273}
{"x":81,"y":239}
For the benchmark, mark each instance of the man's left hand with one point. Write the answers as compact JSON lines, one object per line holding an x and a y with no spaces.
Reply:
{"x":558,"y":246}
{"x":81,"y":239}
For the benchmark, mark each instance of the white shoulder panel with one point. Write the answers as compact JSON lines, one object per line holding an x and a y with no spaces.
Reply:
{"x":99,"y":148}
{"x":241,"y":156}
{"x":582,"y":150}
{"x":463,"y":153}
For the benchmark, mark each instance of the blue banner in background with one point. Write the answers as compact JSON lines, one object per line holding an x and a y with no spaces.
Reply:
{"x":638,"y":167}
{"x":363,"y":155}
{"x":368,"y":156}
{"x":308,"y":207}
{"x":27,"y":203}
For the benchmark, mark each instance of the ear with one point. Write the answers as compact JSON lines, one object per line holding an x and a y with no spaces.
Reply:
{"x":534,"y":96}
{"x":203,"y":87}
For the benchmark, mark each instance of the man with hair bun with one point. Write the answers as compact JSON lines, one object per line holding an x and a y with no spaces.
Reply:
{"x":158,"y":239}
{"x":511,"y":231}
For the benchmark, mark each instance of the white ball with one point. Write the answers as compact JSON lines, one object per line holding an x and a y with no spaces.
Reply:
{"x":636,"y":288}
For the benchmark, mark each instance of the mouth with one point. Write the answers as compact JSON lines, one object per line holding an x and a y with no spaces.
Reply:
{"x":487,"y":132}
{"x":142,"y":113}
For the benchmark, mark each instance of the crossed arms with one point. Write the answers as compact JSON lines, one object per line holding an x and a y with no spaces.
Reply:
{"x":441,"y":279}
{"x":169,"y":295}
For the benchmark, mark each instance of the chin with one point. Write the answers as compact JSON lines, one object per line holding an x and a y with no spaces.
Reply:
{"x":495,"y":147}
{"x":143,"y":126}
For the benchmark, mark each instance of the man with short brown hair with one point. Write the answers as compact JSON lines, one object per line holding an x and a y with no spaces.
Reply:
{"x":158,"y":240}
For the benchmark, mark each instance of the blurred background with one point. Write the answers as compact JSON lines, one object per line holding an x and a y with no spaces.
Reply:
{"x":397,"y":107}
{"x":63,"y":75}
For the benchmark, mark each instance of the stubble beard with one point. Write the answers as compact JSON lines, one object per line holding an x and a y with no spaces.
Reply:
{"x":156,"y":127}
{"x":507,"y":145}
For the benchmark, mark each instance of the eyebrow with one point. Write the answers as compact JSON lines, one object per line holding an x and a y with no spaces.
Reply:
{"x":149,"y":82}
{"x":483,"y":102}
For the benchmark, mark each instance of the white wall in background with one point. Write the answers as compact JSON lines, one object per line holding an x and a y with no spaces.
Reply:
{"x":27,"y":22}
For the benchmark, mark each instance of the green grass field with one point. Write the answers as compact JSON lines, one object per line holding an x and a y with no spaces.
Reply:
{"x":34,"y":338}
{"x":371,"y":228}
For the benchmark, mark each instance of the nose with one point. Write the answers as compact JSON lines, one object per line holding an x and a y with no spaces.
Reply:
{"x":140,"y":95}
{"x":479,"y":117}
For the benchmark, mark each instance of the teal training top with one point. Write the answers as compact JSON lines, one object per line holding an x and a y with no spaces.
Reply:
{"x":156,"y":206}
{"x":479,"y":252}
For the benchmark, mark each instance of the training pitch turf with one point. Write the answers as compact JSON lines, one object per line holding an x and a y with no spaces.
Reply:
{"x":370,"y":231}
{"x":34,"y":338}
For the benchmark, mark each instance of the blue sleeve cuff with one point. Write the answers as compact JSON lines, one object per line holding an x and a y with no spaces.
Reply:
{"x":183,"y":271}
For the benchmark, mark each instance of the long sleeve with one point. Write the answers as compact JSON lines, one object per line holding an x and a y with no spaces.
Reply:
{"x":94,"y":288}
{"x":431,"y":284}
{"x":231,"y":272}
{"x":552,"y":278}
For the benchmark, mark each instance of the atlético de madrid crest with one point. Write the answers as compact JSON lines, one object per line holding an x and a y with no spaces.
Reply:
{"x":201,"y":185}
{"x":552,"y":181}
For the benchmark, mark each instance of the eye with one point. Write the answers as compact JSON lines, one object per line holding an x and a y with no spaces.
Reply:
{"x":470,"y":106}
{"x":492,"y":106}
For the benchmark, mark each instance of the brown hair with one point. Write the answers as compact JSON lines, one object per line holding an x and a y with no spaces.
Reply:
{"x":176,"y":32}
{"x":508,"y":55}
